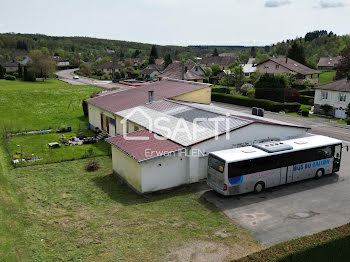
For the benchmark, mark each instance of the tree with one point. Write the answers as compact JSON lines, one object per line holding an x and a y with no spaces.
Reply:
{"x":28,"y":75}
{"x":271,"y":87}
{"x":253,"y":51}
{"x":42,"y":64}
{"x":167,"y":60}
{"x":296,"y":52}
{"x":215,"y":70}
{"x":20,"y":71}
{"x":343,"y":69}
{"x":215,"y":52}
{"x":136,"y":53}
{"x":2,"y":72}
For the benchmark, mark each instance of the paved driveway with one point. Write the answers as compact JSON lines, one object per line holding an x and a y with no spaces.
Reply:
{"x":290,"y":211}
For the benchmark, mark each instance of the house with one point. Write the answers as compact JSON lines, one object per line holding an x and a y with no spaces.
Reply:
{"x":150,"y":72}
{"x":336,"y":95}
{"x":288,"y":65}
{"x":160,"y":63}
{"x":328,"y":63}
{"x":60,"y":62}
{"x":10,"y":66}
{"x":189,"y":71}
{"x":248,"y":70}
{"x":107,"y":67}
{"x":221,"y":60}
{"x":159,"y":157}
{"x":251,"y":60}
{"x":161,"y":133}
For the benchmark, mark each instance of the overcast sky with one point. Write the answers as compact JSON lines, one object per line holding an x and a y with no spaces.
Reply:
{"x":179,"y":22}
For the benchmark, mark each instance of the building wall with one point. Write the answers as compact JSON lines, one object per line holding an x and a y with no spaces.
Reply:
{"x":95,"y":118}
{"x":126,"y":167}
{"x":333,"y":100}
{"x":202,"y":96}
{"x":10,"y":69}
{"x":163,"y":172}
{"x":271,"y":68}
{"x":253,"y":133}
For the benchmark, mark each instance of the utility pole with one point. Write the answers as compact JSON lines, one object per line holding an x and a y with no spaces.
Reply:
{"x":113,"y":67}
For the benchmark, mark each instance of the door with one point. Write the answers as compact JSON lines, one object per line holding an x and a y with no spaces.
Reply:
{"x":337,"y":157}
{"x":286,"y":175}
{"x":340,"y":113}
{"x":107,"y":124}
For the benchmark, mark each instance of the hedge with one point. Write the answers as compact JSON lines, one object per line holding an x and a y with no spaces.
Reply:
{"x":307,"y":92}
{"x":329,"y":245}
{"x":306,"y":100}
{"x":247,"y":101}
{"x":291,"y":107}
{"x":10,"y":77}
{"x":222,"y":90}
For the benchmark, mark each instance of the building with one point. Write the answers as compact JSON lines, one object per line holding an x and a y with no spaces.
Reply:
{"x":248,"y":70}
{"x":222,"y":60}
{"x":10,"y":66}
{"x":288,"y":65}
{"x":107,"y":67}
{"x":160,"y":63}
{"x":189,"y":71}
{"x":335,"y":94}
{"x":150,"y":72}
{"x":103,"y":110}
{"x":61,"y":63}
{"x":328,"y":63}
{"x":153,"y":157}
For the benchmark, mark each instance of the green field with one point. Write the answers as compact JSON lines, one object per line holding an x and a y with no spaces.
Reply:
{"x":60,"y":212}
{"x":326,"y":77}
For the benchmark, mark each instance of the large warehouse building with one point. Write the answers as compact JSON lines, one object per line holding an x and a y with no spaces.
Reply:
{"x":170,"y":136}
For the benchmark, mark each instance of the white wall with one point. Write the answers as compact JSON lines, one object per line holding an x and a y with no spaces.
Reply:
{"x":171,"y":173}
{"x":333,"y":98}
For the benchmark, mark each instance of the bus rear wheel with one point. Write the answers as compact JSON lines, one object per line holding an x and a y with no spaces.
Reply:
{"x":259,"y":187}
{"x":319,"y":173}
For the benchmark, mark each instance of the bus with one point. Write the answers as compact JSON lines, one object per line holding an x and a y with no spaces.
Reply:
{"x":263,"y":165}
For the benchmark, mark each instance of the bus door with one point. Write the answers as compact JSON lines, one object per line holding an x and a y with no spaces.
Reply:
{"x":337,"y":157}
{"x":286,"y":175}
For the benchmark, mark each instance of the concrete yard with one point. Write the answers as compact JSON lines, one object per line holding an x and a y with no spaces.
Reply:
{"x":290,"y":211}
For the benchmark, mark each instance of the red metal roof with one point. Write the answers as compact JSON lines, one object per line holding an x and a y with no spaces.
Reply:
{"x":129,"y":98}
{"x":142,"y":150}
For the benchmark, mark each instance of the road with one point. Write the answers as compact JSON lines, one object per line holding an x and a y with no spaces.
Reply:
{"x":294,"y":210}
{"x":318,"y":125}
{"x":67,"y":76}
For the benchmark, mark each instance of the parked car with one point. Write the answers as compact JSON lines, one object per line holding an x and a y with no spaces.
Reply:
{"x":75,"y":77}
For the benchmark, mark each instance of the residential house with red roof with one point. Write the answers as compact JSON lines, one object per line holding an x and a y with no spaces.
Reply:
{"x":288,"y":65}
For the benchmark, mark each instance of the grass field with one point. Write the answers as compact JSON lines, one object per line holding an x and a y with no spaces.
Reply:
{"x":326,"y":77}
{"x":60,"y":212}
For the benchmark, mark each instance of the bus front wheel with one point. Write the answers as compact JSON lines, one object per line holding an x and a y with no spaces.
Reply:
{"x":319,"y":173}
{"x":259,"y":187}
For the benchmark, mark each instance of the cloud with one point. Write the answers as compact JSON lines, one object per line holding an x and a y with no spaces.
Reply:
{"x":330,"y":4}
{"x":276,"y":3}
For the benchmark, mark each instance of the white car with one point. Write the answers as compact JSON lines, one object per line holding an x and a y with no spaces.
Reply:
{"x":75,"y":77}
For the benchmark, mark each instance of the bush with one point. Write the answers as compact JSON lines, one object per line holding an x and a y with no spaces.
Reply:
{"x":307,"y":92}
{"x":247,"y":101}
{"x":302,"y":86}
{"x":306,"y":100}
{"x":222,"y":90}
{"x":271,"y":87}
{"x":348,"y":121}
{"x":326,"y":108}
{"x":251,"y":93}
{"x":291,"y":95}
{"x":85,"y":108}
{"x":92,"y":166}
{"x":305,"y":113}
{"x":291,"y":107}
{"x":10,"y":77}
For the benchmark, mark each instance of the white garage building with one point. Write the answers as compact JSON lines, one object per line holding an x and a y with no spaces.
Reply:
{"x":189,"y":131}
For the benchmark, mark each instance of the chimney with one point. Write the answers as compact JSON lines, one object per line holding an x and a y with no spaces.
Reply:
{"x":286,"y":60}
{"x":150,"y":97}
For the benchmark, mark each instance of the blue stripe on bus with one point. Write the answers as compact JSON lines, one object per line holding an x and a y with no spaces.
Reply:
{"x":236,"y":180}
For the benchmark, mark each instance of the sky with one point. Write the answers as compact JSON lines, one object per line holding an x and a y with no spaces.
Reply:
{"x":177,"y":22}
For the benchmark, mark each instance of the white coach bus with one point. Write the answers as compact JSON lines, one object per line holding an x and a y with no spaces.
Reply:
{"x":254,"y":168}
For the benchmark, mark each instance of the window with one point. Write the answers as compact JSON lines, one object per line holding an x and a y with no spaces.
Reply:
{"x":136,"y":128}
{"x":324,"y":95}
{"x":277,"y":66}
{"x":112,"y":121}
{"x":266,"y":66}
{"x":342,"y":97}
{"x":216,"y":163}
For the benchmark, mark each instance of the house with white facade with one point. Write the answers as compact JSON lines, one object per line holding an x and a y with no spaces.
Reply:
{"x":162,"y":133}
{"x":335,"y":94}
{"x":150,"y":72}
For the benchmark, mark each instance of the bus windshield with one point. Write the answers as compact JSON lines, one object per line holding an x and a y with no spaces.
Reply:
{"x":216,"y":163}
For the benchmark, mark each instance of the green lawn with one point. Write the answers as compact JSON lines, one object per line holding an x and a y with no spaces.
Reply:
{"x":37,"y":145}
{"x":326,"y":77}
{"x":60,"y":212}
{"x":26,"y":106}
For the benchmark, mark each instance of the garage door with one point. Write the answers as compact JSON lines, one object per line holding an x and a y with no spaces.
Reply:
{"x":340,"y":113}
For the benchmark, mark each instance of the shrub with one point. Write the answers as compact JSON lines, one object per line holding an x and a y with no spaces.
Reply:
{"x":307,"y":92}
{"x":247,"y":101}
{"x":348,"y":121}
{"x":251,"y":93}
{"x":305,"y":113}
{"x":85,"y":108}
{"x":291,"y":107}
{"x":326,"y":108}
{"x":306,"y":100}
{"x":92,"y":166}
{"x":271,"y":87}
{"x":246,"y":87}
{"x":10,"y":77}
{"x":291,"y":95}
{"x":222,"y":90}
